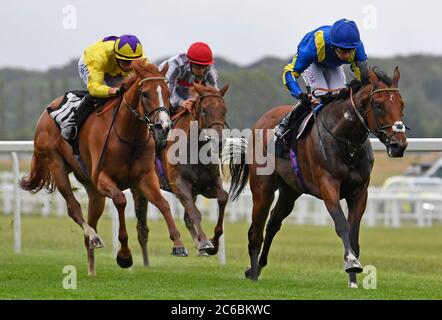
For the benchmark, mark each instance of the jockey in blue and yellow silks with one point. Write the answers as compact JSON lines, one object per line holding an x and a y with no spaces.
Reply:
{"x":320,"y":58}
{"x":102,"y":67}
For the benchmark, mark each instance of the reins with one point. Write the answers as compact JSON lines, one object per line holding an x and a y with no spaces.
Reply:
{"x":145,"y":120}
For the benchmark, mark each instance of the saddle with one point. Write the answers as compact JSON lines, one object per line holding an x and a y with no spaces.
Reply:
{"x":300,"y":122}
{"x":72,"y":112}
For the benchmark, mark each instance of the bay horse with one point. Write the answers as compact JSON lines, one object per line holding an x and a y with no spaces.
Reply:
{"x":340,"y":171}
{"x":187,"y":179}
{"x":117,"y":152}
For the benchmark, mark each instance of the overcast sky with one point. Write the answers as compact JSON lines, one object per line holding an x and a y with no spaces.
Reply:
{"x":47,"y":33}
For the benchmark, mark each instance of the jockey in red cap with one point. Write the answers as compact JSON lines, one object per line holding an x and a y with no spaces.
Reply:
{"x":195,"y":65}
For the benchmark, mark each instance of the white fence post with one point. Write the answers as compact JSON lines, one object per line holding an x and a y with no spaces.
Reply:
{"x":17,"y":209}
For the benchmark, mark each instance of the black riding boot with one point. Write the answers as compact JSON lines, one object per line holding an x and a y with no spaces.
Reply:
{"x":85,"y":108}
{"x":296,"y":114}
{"x":282,"y":127}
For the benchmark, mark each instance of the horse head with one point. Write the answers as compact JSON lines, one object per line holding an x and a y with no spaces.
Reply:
{"x":153,"y":99}
{"x":383,"y":107}
{"x":210,"y":111}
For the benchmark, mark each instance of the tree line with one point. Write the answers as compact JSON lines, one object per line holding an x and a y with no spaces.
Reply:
{"x":253,"y":90}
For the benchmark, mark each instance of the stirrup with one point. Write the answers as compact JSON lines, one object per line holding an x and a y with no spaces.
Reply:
{"x":281,"y":138}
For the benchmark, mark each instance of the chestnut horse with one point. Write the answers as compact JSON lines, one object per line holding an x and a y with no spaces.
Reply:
{"x":187,"y":179}
{"x":340,"y":171}
{"x":117,"y":152}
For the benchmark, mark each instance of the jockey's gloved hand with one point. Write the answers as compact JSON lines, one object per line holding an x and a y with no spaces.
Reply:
{"x":305,"y":99}
{"x":121,"y":90}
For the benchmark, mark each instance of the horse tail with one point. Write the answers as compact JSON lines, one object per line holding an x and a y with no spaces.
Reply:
{"x":38,"y":178}
{"x":238,"y":167}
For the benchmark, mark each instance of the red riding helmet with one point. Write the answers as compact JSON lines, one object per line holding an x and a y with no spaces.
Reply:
{"x":200,"y":53}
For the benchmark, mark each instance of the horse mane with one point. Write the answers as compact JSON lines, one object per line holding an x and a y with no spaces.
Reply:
{"x":356,"y":85}
{"x":209,"y":88}
{"x":142,"y":69}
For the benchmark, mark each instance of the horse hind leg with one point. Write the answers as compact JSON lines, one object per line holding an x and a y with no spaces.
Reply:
{"x":61,"y":181}
{"x":95,"y":210}
{"x":282,"y":209}
{"x":142,"y":230}
{"x":262,"y":200}
{"x":107,"y":187}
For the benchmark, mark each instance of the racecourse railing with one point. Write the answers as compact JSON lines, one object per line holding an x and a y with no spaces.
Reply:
{"x":387,"y":208}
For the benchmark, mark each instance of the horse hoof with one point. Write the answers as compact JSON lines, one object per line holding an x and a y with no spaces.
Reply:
{"x":202,"y":253}
{"x":124,"y":262}
{"x":248,"y":274}
{"x":209,"y":248}
{"x":353,"y":266}
{"x":96,"y":243}
{"x":205,"y":246}
{"x":353,"y":285}
{"x":180,"y":252}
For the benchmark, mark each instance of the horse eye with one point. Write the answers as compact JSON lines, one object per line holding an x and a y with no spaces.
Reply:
{"x":378,"y":106}
{"x":145,"y":95}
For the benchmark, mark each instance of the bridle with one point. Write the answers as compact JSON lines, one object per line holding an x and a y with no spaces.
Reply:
{"x":381,"y":130}
{"x":381,"y":133}
{"x":199,"y":101}
{"x":146,"y":118}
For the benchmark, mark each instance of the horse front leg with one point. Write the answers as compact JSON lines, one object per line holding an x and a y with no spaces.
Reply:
{"x":141,"y":203}
{"x":150,"y":187}
{"x":222,"y":197}
{"x":108,"y":188}
{"x":184,"y":194}
{"x":329,"y":190}
{"x":356,"y":203}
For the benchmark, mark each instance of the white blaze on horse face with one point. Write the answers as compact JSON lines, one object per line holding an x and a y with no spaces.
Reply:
{"x":164,"y":117}
{"x":391,"y":97}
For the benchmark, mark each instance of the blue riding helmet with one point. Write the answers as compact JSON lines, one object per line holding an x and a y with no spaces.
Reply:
{"x":345,"y":34}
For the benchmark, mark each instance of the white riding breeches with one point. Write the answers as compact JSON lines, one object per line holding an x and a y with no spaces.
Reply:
{"x":317,"y":76}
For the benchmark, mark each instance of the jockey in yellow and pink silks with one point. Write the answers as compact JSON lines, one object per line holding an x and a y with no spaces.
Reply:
{"x":108,"y":61}
{"x":102,"y":67}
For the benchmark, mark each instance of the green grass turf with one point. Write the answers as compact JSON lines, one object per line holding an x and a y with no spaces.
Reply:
{"x":305,"y":262}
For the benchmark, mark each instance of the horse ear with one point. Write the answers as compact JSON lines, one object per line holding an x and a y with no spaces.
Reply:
{"x":223,"y":91}
{"x":373,"y":77}
{"x":165,"y":68}
{"x":396,"y":77}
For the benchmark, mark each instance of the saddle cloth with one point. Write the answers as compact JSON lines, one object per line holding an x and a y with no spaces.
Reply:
{"x":64,"y":113}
